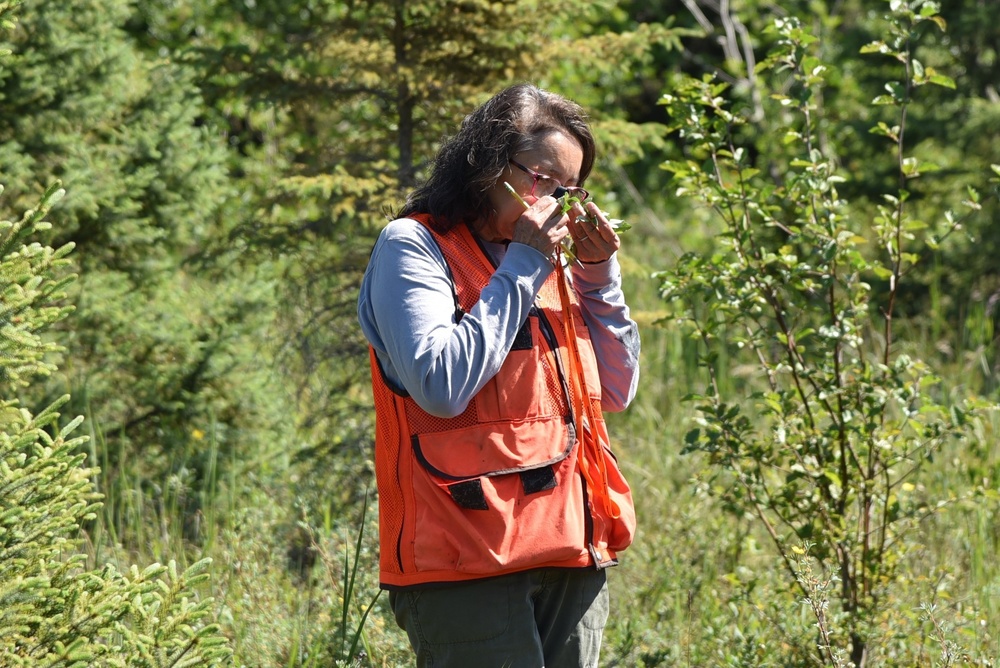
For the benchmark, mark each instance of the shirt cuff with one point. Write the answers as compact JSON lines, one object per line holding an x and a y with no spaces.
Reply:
{"x":596,"y":275}
{"x":527,"y":263}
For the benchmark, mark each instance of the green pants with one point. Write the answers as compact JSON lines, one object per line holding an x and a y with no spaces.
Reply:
{"x":551,"y":618}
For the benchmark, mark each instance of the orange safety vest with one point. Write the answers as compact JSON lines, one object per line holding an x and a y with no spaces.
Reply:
{"x":524,"y":477}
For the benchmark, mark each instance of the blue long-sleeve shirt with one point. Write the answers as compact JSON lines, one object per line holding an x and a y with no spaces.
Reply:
{"x":406,"y":308}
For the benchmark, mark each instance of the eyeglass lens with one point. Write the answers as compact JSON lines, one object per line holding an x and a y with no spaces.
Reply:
{"x":542,"y":185}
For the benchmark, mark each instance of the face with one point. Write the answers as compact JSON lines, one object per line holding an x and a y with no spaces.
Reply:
{"x":556,"y":155}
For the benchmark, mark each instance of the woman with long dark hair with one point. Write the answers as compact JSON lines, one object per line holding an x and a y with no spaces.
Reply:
{"x":493,"y":359}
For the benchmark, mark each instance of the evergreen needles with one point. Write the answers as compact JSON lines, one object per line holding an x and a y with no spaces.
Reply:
{"x":54,"y":611}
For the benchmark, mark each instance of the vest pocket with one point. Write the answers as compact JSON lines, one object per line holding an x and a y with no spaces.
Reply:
{"x":469,"y":494}
{"x":492,"y":449}
{"x":492,"y":497}
{"x":488,"y":524}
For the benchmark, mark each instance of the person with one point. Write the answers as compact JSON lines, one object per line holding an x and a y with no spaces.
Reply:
{"x":493,"y":358}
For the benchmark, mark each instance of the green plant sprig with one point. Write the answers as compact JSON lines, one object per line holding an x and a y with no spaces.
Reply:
{"x":567,"y":246}
{"x":617,"y":224}
{"x":567,"y":202}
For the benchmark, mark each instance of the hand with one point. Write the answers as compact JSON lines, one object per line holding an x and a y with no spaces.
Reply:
{"x":595,"y":239}
{"x":543,"y":226}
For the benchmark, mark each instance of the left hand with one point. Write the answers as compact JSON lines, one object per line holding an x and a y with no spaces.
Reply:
{"x":594,"y":238}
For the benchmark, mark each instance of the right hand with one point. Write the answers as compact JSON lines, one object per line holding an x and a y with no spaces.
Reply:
{"x":543,"y":226}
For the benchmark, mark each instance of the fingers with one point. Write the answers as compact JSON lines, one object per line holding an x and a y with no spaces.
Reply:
{"x":595,"y":238}
{"x":556,"y":222}
{"x":601,"y":222}
{"x":543,"y":225}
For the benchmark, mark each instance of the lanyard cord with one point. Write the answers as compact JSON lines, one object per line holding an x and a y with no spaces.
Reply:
{"x":592,"y":460}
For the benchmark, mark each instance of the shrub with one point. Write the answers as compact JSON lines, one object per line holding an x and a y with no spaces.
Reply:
{"x":802,"y":292}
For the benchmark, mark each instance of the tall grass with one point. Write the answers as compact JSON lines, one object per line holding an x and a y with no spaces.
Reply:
{"x":296,"y":580}
{"x":296,"y":586}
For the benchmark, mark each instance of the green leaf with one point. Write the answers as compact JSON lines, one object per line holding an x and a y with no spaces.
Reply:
{"x":875,"y":47}
{"x":883,"y":273}
{"x":942,"y":80}
{"x":929,"y":9}
{"x":940,"y":22}
{"x":896,"y":90}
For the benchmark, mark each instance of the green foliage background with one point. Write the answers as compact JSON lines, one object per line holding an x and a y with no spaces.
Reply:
{"x":227,"y":167}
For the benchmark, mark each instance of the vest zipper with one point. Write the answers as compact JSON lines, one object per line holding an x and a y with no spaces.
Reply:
{"x":402,"y":525}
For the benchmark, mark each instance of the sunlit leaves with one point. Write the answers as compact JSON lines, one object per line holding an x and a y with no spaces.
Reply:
{"x":840,"y":412}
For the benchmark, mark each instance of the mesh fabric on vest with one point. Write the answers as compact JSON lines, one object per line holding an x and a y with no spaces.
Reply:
{"x":471,"y":272}
{"x":556,"y":400}
{"x":422,"y":422}
{"x":469,"y":268}
{"x":386,"y":458}
{"x":549,"y":295}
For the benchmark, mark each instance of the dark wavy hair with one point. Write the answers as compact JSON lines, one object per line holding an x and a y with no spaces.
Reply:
{"x":470,"y":163}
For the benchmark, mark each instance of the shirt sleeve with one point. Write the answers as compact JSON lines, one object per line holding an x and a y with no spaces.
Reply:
{"x":406,"y":308}
{"x":612,"y":331}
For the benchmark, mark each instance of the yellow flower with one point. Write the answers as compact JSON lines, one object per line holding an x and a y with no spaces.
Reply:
{"x":798,"y":550}
{"x":197,"y":434}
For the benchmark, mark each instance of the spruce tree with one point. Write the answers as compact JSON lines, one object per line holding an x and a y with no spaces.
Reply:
{"x":53,"y":610}
{"x":157,"y":348}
